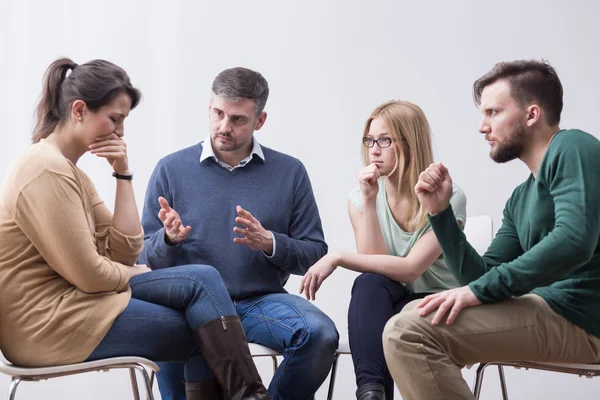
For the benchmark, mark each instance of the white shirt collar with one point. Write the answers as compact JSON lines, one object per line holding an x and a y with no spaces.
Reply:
{"x":207,"y":152}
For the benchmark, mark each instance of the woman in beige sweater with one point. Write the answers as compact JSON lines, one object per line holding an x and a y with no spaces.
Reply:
{"x":71,"y":290}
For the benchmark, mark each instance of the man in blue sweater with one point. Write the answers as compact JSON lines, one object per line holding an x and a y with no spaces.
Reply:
{"x":250,"y":212}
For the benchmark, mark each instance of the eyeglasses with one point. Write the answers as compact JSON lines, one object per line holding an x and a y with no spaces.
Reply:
{"x":382,"y":142}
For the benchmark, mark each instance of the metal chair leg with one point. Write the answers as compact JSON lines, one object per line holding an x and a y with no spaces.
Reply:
{"x":502,"y":382}
{"x":148,"y":385}
{"x":134,"y":384}
{"x":275,"y":364}
{"x":151,"y":384}
{"x":13,"y":388}
{"x":333,"y":374}
{"x":479,"y":380}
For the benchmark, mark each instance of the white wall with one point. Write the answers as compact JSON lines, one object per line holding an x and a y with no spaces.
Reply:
{"x":328,"y":63}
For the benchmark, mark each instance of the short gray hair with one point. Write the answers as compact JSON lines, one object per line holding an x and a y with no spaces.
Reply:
{"x":240,"y":83}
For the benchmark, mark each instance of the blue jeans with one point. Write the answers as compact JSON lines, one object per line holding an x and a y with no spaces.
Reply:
{"x":289,"y":324}
{"x":165,"y":306}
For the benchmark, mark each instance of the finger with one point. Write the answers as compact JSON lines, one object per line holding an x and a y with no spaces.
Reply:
{"x":428,"y":178}
{"x":108,"y":155}
{"x":243,"y":221}
{"x":169,"y":221}
{"x":176,"y":225}
{"x":240,"y":231}
{"x":442,"y":311}
{"x":164,"y":203}
{"x":241,"y":241}
{"x":435,"y":175}
{"x":423,"y":186}
{"x":432,"y":305}
{"x":307,"y":287}
{"x":243,"y":213}
{"x":162,"y":215}
{"x":186,"y":231}
{"x":108,"y":149}
{"x":107,"y":137}
{"x":442,"y":168}
{"x":302,"y":283}
{"x":458,"y":306}
{"x":425,"y":300}
{"x":313,"y":287}
{"x":108,"y":143}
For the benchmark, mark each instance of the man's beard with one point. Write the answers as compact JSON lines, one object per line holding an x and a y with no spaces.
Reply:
{"x":513,"y":145}
{"x":233,"y":145}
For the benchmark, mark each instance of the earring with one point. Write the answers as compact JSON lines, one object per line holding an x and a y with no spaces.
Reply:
{"x":80,"y":118}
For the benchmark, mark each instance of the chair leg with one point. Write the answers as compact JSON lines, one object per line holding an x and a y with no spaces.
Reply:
{"x":275,"y":364}
{"x":134,"y":384}
{"x":13,"y":388}
{"x":479,"y":380}
{"x":151,"y":384}
{"x":147,"y":383}
{"x":332,"y":379}
{"x":502,"y":382}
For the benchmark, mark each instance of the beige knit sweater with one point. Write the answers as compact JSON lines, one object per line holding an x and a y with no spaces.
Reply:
{"x":64,"y":270}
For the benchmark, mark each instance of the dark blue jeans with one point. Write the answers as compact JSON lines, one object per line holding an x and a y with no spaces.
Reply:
{"x":375,"y":299}
{"x":165,"y":306}
{"x":289,"y":324}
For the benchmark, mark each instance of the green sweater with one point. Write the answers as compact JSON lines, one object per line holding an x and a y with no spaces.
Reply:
{"x":548,"y":243}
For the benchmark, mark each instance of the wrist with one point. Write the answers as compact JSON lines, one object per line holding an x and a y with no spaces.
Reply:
{"x":268,"y":243}
{"x":335,"y":258}
{"x":436,"y":211}
{"x":369,"y":202}
{"x":123,"y":176}
{"x":171,"y":242}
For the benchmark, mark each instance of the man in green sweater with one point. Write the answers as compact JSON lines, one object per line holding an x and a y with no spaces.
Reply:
{"x":535,"y":293}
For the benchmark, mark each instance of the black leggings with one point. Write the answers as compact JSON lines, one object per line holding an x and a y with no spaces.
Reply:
{"x":375,"y":299}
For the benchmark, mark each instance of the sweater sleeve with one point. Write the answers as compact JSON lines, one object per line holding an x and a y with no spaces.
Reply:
{"x":157,"y":253}
{"x":570,"y":173}
{"x":303,"y":244}
{"x":111,"y":242}
{"x":50,"y":213}
{"x":462,"y":259}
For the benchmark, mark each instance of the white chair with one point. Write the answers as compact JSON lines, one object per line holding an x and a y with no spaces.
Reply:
{"x":20,"y":374}
{"x":479,"y":231}
{"x":257,"y":350}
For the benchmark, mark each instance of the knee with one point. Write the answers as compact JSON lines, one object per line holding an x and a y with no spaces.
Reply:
{"x":370,"y":282}
{"x":404,"y":331}
{"x":321,"y":333}
{"x":204,"y":273}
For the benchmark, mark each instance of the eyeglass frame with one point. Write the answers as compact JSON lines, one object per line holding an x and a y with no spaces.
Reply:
{"x":367,"y":139}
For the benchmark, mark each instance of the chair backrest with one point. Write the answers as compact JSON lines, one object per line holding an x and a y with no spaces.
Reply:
{"x":480,"y":232}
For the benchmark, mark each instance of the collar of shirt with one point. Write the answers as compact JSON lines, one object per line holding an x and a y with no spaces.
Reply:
{"x":207,"y":152}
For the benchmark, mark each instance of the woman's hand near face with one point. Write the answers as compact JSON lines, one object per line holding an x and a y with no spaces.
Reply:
{"x":367,"y":178}
{"x":114,"y":149}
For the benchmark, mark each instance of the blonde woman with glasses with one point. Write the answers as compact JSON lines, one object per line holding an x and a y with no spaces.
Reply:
{"x":398,"y":254}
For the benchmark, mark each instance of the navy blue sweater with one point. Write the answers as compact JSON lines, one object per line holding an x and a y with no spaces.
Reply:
{"x":277,"y":191}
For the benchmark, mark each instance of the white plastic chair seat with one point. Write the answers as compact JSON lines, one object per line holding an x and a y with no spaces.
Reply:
{"x":20,"y":374}
{"x":258,"y":350}
{"x":10,"y":369}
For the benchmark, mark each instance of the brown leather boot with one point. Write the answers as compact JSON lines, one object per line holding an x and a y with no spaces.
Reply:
{"x":205,"y":390}
{"x":224,"y":346}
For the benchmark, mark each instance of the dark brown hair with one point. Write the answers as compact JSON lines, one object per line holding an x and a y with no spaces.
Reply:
{"x":242,"y":83}
{"x":530,"y":81}
{"x":97,"y":83}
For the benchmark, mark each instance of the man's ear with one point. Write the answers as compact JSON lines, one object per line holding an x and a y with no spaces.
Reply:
{"x":534,"y":113}
{"x":260,"y":121}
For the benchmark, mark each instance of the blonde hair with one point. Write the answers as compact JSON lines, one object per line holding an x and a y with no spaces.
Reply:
{"x":411,"y":141}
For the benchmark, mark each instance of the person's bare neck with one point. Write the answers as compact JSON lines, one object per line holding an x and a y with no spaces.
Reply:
{"x":536,"y":148}
{"x":62,"y":139}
